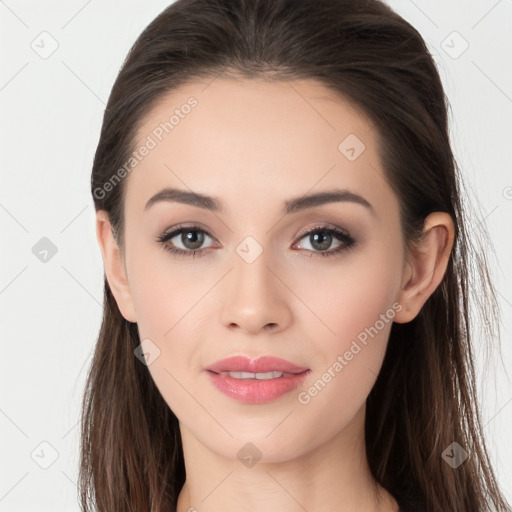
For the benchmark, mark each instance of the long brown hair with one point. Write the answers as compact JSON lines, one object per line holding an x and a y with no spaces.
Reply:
{"x":424,"y":398}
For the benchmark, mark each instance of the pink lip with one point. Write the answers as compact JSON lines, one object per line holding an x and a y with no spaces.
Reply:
{"x":256,"y":391}
{"x":260,"y":365}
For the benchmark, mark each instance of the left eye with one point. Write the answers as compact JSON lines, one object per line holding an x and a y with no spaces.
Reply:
{"x":321,"y":238}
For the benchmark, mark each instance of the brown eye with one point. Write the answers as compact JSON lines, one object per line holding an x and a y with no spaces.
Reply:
{"x":188,"y":240}
{"x":321,"y":239}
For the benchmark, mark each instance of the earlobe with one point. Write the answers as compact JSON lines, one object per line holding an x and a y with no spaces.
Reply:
{"x":426,"y":265}
{"x":115,"y":270}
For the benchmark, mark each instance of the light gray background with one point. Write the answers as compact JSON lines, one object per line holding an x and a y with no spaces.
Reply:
{"x":51,"y":111}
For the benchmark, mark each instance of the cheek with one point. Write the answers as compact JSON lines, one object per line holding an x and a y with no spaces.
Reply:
{"x":354,"y":304}
{"x":164,"y":291}
{"x":350,"y":295}
{"x":173,"y":309}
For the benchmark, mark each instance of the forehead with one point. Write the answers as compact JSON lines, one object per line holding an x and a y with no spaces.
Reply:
{"x":251,"y":134}
{"x":260,"y":107}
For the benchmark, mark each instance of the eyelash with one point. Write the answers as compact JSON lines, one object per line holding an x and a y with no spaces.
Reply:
{"x":348,"y":240}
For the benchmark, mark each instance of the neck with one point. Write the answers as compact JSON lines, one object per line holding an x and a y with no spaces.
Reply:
{"x":332,"y":476}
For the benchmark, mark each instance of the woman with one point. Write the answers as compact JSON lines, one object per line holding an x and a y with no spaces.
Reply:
{"x":286,"y":320}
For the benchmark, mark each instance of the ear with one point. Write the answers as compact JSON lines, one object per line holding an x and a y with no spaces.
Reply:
{"x":426,"y":265}
{"x":115,"y":270}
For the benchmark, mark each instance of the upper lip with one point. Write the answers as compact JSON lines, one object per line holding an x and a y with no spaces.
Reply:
{"x":259,"y":365}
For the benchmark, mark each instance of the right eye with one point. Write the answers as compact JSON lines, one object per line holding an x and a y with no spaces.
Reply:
{"x":190,"y":237}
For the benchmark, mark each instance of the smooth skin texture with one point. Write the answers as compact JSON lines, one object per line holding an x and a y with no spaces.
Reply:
{"x":253,"y":145}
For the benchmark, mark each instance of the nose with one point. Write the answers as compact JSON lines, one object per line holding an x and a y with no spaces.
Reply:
{"x":254,"y":298}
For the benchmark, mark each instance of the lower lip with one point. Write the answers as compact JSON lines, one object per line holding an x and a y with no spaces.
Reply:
{"x":256,"y":391}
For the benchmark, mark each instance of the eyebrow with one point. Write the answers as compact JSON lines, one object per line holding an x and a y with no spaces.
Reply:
{"x":291,"y":206}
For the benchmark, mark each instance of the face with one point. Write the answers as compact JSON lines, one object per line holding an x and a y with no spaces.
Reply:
{"x":255,"y":272}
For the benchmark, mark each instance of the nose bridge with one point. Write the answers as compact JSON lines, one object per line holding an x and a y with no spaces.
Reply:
{"x":253,"y":297}
{"x":251,"y":274}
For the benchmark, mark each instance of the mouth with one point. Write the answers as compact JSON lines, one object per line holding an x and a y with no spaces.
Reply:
{"x":256,"y":381}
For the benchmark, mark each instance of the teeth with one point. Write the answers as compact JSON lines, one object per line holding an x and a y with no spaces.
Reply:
{"x":259,"y":376}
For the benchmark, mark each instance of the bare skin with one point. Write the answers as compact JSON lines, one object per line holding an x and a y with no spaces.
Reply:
{"x":254,"y":145}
